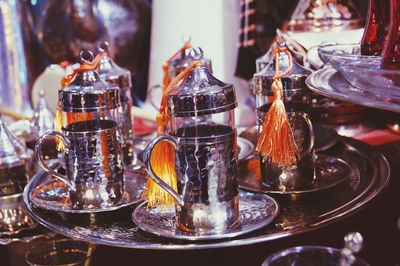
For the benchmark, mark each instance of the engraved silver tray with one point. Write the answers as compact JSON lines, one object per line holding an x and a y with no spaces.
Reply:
{"x":297,"y":214}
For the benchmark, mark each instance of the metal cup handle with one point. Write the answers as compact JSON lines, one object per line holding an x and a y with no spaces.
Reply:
{"x":146,"y":158}
{"x":41,"y":162}
{"x":311,"y":144}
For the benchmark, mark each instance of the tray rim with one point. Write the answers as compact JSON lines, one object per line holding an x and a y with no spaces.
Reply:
{"x":381,"y":164}
{"x":326,"y":90}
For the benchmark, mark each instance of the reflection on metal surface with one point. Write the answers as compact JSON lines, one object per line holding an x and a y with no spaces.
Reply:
{"x":255,"y":211}
{"x":302,"y":215}
{"x":52,"y":194}
{"x":27,"y":236}
{"x":13,"y":162}
{"x":331,"y":83}
{"x":13,"y":217}
{"x":14,"y":73}
{"x":320,"y":15}
{"x":337,"y":54}
{"x":330,"y":171}
{"x":320,"y":255}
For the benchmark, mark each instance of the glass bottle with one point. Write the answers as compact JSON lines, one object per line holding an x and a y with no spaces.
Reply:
{"x":376,"y":27}
{"x":391,"y":50}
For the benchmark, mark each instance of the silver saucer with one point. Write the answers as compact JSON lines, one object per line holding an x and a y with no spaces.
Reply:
{"x":245,"y":148}
{"x":52,"y":194}
{"x":338,"y":54}
{"x":330,"y":171}
{"x":331,"y":83}
{"x":255,"y":212}
{"x":13,"y":217}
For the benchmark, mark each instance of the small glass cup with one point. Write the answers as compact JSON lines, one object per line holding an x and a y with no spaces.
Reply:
{"x":310,"y":255}
{"x":64,"y":252}
{"x":319,"y":255}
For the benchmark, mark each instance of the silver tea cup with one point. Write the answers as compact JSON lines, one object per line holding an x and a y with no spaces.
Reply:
{"x":208,"y":200}
{"x":93,"y":160}
{"x":301,"y":174}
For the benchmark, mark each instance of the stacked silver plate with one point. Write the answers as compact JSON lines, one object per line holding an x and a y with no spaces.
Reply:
{"x":351,"y":77}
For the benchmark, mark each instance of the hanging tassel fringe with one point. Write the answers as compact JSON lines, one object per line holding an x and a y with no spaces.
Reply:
{"x":163,"y":156}
{"x":276,"y":141}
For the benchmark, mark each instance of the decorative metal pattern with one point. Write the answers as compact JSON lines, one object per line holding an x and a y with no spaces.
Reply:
{"x":297,"y":214}
{"x":53,"y":195}
{"x":330,"y":171}
{"x":255,"y":212}
{"x":202,"y":94}
{"x":13,"y":217}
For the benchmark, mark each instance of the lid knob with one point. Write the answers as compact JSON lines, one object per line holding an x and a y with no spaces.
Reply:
{"x":103,"y":46}
{"x":86,"y":56}
{"x":353,"y":243}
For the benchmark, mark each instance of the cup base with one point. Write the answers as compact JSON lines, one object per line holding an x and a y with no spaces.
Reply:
{"x":288,"y":178}
{"x":255,"y":211}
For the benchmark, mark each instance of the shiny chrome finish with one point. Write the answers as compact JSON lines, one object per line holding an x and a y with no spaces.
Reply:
{"x":14,"y":72}
{"x":297,"y":101}
{"x":329,"y":172}
{"x":121,"y":78}
{"x":208,"y":202}
{"x":42,"y":163}
{"x":53,"y":195}
{"x":94,"y":171}
{"x":331,"y":83}
{"x":295,"y":216}
{"x":146,"y":158}
{"x":183,"y":60}
{"x":14,"y":158}
{"x":320,"y":15}
{"x":255,"y":211}
{"x":13,"y":217}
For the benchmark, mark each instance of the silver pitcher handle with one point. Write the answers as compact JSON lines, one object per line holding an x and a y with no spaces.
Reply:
{"x":146,"y":158}
{"x":311,"y":132}
{"x":38,"y":148}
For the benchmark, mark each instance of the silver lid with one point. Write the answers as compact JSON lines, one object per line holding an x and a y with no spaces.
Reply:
{"x":88,"y":92}
{"x":111,"y":72}
{"x":13,"y":151}
{"x":201,"y":94}
{"x":296,"y":79}
{"x":316,"y":15}
{"x":184,"y":59}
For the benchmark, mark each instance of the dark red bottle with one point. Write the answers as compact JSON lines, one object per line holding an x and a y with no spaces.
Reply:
{"x":376,"y":27}
{"x":391,"y":49}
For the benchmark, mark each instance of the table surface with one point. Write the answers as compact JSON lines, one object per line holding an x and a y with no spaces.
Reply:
{"x":378,"y":222}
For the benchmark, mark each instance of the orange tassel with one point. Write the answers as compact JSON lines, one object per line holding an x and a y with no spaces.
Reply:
{"x":276,"y":141}
{"x":163,"y":156}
